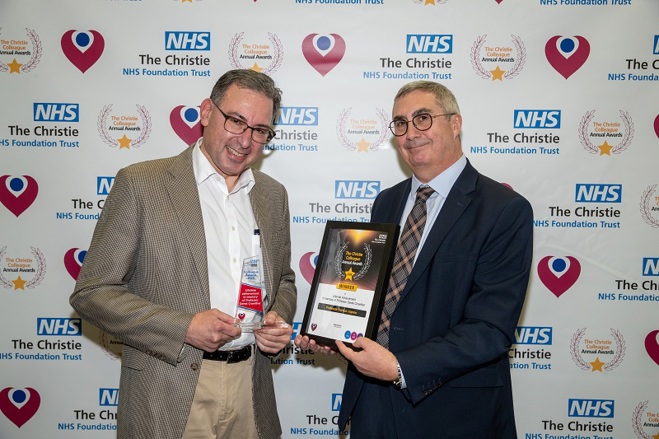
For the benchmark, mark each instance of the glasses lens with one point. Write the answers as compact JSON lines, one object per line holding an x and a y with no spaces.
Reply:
{"x":261,"y":135}
{"x":398,"y":127}
{"x":422,"y":121}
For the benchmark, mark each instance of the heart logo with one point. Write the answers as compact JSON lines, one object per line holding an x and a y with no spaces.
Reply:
{"x":313,"y":326}
{"x":241,"y":315}
{"x":308,"y":263}
{"x":651,"y":345}
{"x":656,"y":125}
{"x":19,"y":405}
{"x":323,"y":52}
{"x":498,"y":1}
{"x":186,"y":123}
{"x":559,"y":274}
{"x":73,"y":260}
{"x":567,"y":55}
{"x":83,"y":48}
{"x":18,"y":193}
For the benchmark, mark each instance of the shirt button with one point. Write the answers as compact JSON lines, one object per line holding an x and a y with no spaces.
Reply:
{"x":194,"y":366}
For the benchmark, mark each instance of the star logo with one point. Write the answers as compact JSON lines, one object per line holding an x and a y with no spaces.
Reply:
{"x":349,"y":274}
{"x":597,"y":365}
{"x":497,"y":74}
{"x":256,"y":68}
{"x":362,"y":145}
{"x":19,"y":284}
{"x":605,"y":148}
{"x":14,"y":67}
{"x":656,"y":436}
{"x":124,"y":142}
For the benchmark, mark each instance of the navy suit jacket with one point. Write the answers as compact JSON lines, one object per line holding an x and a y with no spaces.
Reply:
{"x":456,"y":318}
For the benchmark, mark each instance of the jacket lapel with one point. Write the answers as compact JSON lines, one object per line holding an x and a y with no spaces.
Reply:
{"x":457,"y":201}
{"x":184,"y":195}
{"x":258,"y":197}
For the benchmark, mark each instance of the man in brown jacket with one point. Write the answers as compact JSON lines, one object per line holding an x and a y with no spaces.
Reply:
{"x":163,"y":270}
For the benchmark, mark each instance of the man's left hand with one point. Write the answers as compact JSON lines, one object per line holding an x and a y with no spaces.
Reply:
{"x":275,"y":334}
{"x":373,"y":360}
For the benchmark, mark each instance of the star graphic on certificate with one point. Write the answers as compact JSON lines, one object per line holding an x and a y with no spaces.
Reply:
{"x":349,"y":274}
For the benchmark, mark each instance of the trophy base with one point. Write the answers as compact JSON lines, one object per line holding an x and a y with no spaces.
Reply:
{"x":252,"y":326}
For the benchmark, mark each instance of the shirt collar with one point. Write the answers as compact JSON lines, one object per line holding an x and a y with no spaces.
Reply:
{"x":203,"y":169}
{"x":443,"y":183}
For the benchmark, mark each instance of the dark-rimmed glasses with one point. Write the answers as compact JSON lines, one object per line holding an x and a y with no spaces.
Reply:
{"x":422,"y":122}
{"x":236,"y":126}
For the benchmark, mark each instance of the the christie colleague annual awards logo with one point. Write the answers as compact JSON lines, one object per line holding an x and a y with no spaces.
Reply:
{"x":20,"y":271}
{"x":608,"y":136}
{"x":17,"y":49}
{"x":599,"y":353}
{"x":323,"y":52}
{"x":650,"y":206}
{"x":19,"y":405}
{"x":186,"y":123}
{"x":17,"y":193}
{"x":82,"y":48}
{"x":558,"y":274}
{"x":123,"y":128}
{"x":487,"y":59}
{"x":567,"y":54}
{"x":256,"y":54}
{"x":362,"y":131}
{"x":645,"y":421}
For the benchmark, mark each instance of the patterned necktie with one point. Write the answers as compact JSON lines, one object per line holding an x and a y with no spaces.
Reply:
{"x":404,"y":259}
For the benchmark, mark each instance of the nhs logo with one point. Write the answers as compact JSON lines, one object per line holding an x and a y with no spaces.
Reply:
{"x":55,"y":112}
{"x":108,"y":397}
{"x":429,"y":43}
{"x":103,"y":185}
{"x":598,"y":193}
{"x":650,"y":266}
{"x":296,"y":330}
{"x":179,"y":40}
{"x":538,"y":335}
{"x":590,"y":408}
{"x":356,"y":188}
{"x":536,"y":119}
{"x":336,"y":401}
{"x":297,"y":116}
{"x":655,"y":46}
{"x":59,"y":326}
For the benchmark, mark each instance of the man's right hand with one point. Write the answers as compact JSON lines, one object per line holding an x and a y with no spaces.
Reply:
{"x":211,"y":329}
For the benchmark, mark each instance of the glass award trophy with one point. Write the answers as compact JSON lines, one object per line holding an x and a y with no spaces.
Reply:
{"x":249,"y":310}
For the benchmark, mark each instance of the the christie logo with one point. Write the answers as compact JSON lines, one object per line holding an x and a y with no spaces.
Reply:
{"x":536,"y":335}
{"x":178,"y":40}
{"x":590,"y":408}
{"x":598,"y":193}
{"x":298,"y":116}
{"x":429,"y":43}
{"x":536,"y":119}
{"x":56,"y":112}
{"x":650,"y":267}
{"x":368,"y":189}
{"x":108,"y":397}
{"x":59,"y":326}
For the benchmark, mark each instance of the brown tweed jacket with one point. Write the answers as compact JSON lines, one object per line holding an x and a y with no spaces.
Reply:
{"x":146,"y":274}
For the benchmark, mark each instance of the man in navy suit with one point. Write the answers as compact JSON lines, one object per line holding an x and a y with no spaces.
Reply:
{"x":445,"y":371}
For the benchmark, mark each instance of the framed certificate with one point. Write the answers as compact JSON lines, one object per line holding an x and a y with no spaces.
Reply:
{"x":350,"y":282}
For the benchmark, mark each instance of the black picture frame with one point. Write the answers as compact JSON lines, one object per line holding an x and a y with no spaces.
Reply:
{"x":344,"y":304}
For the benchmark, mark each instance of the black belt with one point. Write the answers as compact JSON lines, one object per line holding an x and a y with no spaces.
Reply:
{"x":235,"y":356}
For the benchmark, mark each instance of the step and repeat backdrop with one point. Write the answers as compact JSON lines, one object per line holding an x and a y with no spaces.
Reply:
{"x":559,"y":99}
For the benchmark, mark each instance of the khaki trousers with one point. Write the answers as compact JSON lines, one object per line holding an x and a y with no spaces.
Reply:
{"x":222,"y":406}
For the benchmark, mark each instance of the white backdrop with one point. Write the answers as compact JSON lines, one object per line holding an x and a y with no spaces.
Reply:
{"x":559,"y":99}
